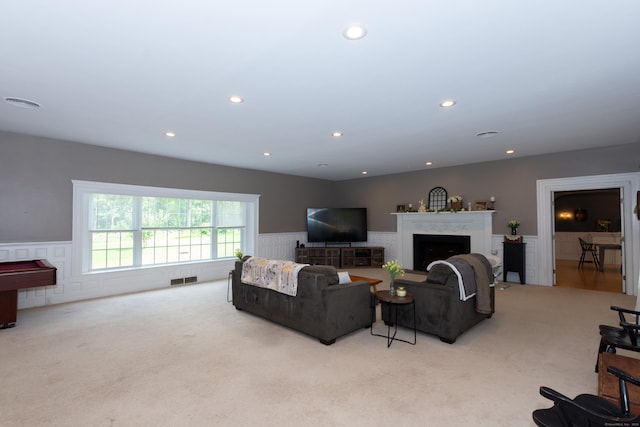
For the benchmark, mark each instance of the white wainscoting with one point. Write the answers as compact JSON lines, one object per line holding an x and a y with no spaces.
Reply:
{"x":568,"y":246}
{"x":531,"y":262}
{"x":275,"y":245}
{"x":75,"y":288}
{"x":282,"y":245}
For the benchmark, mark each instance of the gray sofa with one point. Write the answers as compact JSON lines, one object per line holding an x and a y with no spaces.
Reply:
{"x":439,"y":310}
{"x":321,"y":308}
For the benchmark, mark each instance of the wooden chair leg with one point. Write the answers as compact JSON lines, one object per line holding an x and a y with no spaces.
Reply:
{"x":596,"y":261}
{"x":601,"y":349}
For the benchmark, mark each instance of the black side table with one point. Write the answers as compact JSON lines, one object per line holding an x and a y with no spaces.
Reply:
{"x":514,"y":260}
{"x":394,"y":301}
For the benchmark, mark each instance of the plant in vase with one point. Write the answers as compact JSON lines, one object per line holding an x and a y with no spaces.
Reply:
{"x":238,"y":253}
{"x":513,"y":225}
{"x":394,"y":269}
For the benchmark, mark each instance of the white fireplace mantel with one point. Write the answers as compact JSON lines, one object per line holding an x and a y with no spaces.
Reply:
{"x":476,"y":224}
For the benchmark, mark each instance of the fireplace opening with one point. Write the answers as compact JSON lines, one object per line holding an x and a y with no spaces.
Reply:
{"x":433,"y":247}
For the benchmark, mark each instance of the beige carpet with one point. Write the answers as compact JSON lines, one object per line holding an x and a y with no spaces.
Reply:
{"x":185,"y":357}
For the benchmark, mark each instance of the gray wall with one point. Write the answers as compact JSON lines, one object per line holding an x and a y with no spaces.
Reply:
{"x":603,"y":204}
{"x":511,"y":181}
{"x":36,"y":189}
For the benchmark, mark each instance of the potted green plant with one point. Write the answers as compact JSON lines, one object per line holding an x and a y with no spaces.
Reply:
{"x":513,"y":225}
{"x":394,"y":269}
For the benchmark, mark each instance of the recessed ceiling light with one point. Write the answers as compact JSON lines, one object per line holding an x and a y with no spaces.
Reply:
{"x":170,"y":134}
{"x":21,"y":103}
{"x":235,"y":99}
{"x":448,"y":103}
{"x":336,"y":134}
{"x":487,"y":134}
{"x":266,"y":154}
{"x":354,"y":32}
{"x":428,"y":163}
{"x":364,"y":172}
{"x":510,"y":151}
{"x":322,"y":165}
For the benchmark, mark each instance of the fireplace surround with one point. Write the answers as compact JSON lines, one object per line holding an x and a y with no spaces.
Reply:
{"x":475,"y":224}
{"x":432,"y":247}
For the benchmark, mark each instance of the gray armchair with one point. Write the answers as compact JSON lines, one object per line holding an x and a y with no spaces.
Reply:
{"x":439,"y":310}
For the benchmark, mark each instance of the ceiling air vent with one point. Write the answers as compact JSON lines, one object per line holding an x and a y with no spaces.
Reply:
{"x":487,"y":134}
{"x":22,"y":103}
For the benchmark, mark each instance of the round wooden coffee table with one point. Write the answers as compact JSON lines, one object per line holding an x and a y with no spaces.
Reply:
{"x":394,"y":301}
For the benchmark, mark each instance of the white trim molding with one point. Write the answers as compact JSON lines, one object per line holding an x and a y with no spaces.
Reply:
{"x":629,"y":184}
{"x":475,"y":224}
{"x":70,"y":287}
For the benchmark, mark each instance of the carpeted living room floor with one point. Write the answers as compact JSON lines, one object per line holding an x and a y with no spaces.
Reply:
{"x":184,"y":356}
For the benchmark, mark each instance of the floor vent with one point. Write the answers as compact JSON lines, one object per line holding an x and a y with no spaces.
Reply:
{"x":177,"y":281}
{"x":191,"y":279}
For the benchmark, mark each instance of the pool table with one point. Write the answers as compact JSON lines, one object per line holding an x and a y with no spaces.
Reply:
{"x":16,"y":275}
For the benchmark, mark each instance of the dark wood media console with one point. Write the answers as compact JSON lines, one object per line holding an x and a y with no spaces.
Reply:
{"x":355,"y":256}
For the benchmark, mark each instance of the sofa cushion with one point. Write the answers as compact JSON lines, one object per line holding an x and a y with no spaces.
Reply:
{"x":439,"y":274}
{"x":343,"y":277}
{"x":329,"y":271}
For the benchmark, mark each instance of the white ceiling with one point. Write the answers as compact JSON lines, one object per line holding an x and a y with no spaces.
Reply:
{"x":548,"y":75}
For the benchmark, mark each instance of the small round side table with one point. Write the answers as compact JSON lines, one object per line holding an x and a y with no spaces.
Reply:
{"x":394,"y":301}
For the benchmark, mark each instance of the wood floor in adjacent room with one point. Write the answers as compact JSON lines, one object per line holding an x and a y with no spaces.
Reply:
{"x":568,"y":275}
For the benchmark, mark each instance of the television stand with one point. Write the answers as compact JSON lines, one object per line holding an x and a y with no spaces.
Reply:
{"x":338,"y":245}
{"x":346,"y":257}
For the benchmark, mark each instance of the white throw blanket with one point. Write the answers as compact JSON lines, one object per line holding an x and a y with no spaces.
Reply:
{"x":468,"y":288}
{"x":281,"y":276}
{"x":463,"y":291}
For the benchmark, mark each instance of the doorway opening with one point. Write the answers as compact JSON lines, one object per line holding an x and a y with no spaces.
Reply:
{"x":588,"y":239}
{"x":628,"y":185}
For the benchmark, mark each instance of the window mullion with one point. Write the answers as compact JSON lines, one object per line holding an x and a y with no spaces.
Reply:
{"x":214,"y":231}
{"x":137,"y":231}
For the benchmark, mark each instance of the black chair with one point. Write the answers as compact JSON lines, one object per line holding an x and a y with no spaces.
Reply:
{"x":625,"y":336}
{"x":588,"y":247}
{"x":588,"y":410}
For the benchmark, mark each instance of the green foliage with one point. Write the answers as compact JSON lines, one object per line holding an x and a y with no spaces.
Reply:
{"x":393,"y":268}
{"x":171,"y":229}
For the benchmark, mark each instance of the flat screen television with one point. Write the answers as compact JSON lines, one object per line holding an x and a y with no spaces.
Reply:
{"x":337,"y":225}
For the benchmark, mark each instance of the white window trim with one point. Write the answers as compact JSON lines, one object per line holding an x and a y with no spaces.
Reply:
{"x":81,"y":190}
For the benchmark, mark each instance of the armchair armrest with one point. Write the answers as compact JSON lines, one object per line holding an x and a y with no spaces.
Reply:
{"x":622,"y":311}
{"x":629,"y":325}
{"x":591,"y":407}
{"x":574,"y":407}
{"x":631,"y":329}
{"x":623,"y":377}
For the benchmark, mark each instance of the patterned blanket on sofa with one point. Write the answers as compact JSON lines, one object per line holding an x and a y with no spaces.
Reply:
{"x":281,"y":276}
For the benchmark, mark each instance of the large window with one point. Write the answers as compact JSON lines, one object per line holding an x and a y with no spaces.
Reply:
{"x":121,"y":226}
